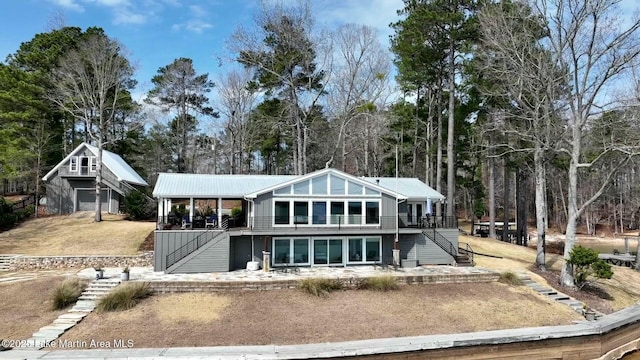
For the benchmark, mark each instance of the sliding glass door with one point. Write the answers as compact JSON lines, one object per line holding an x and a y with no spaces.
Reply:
{"x":327,"y":252}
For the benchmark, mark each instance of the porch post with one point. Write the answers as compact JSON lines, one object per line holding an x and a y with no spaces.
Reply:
{"x":191,"y":209}
{"x":160,"y":211}
{"x":219,"y":211}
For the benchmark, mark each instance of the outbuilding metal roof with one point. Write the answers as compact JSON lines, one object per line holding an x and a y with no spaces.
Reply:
{"x":172,"y":185}
{"x":118,"y":167}
{"x":112,"y":161}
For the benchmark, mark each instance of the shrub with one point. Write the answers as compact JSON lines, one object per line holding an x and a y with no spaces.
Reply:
{"x":67,"y":293}
{"x":510,"y":278}
{"x":137,"y":206}
{"x":586,"y":266}
{"x":124,"y":297}
{"x":320,"y":286}
{"x":379,"y":283}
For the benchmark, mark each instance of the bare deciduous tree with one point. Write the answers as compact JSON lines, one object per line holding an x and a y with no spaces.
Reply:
{"x":87,"y":85}
{"x":236,"y":100}
{"x":358,"y":88}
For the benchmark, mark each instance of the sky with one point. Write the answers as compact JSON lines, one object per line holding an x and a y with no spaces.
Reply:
{"x":155,"y":32}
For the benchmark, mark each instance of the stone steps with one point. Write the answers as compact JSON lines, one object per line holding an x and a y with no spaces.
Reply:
{"x":86,"y":303}
{"x":5,"y":262}
{"x":553,"y":294}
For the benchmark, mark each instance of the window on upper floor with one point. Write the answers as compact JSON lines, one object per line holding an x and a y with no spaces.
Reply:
{"x":73,"y":164}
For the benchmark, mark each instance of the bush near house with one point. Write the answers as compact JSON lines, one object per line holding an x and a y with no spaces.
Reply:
{"x":379,"y":283}
{"x":9,"y":218}
{"x":587,"y":265}
{"x":510,"y":278}
{"x":136,"y":206}
{"x":124,"y":297}
{"x":320,"y":286}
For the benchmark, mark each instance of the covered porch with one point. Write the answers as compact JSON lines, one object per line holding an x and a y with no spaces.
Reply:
{"x":202,"y":213}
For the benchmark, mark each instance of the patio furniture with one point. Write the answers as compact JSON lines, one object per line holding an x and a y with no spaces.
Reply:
{"x":186,"y":222}
{"x":198,"y":223}
{"x":212,"y":221}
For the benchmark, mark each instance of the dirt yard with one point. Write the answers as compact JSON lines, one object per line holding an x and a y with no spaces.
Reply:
{"x":292,"y":316}
{"x":25,"y":307}
{"x":76,"y":234}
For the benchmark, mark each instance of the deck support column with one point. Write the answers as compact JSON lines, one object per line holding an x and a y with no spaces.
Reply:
{"x":219,"y":212}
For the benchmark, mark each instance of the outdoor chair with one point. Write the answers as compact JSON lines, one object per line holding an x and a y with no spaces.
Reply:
{"x":212,"y":221}
{"x":186,"y":222}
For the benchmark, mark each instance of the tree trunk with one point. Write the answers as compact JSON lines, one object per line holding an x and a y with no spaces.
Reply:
{"x":566,"y":275}
{"x":439,"y":149}
{"x":521,"y":207}
{"x":540,"y":179}
{"x":451,"y":176}
{"x":492,"y":198}
{"x":98,"y":215}
{"x":505,"y":217}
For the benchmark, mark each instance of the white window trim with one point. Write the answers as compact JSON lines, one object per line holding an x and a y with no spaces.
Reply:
{"x":291,"y":251}
{"x":364,"y":249}
{"x":71,"y":163}
{"x":93,"y":164}
{"x":327,"y":200}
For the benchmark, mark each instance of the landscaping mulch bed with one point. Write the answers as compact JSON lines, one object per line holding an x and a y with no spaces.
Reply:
{"x":147,"y":244}
{"x":592,"y":295}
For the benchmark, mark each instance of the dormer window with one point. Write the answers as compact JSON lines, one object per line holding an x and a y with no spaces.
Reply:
{"x":73,"y":164}
{"x":93,"y":163}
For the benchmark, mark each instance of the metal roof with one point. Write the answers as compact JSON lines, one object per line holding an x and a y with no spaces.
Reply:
{"x":236,"y":186}
{"x":412,"y":188}
{"x":112,"y":161}
{"x":207,"y":185}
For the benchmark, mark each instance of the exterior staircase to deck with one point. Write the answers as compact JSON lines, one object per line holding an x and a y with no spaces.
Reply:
{"x":462,"y":256}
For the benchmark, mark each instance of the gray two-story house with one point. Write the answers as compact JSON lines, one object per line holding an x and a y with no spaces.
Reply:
{"x":213,"y":223}
{"x":70,"y":185}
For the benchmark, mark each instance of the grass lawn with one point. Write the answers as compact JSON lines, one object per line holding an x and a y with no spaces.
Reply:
{"x":25,"y":307}
{"x":621,"y":291}
{"x":76,"y":234}
{"x":292,"y":316}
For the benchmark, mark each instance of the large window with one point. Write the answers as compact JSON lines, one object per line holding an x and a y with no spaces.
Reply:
{"x":301,"y":188}
{"x":373,"y":249}
{"x":290,"y":251}
{"x":301,"y":212}
{"x":281,"y":212}
{"x":337,"y":212}
{"x":365,"y":250}
{"x":337,"y":186}
{"x":373,"y":212}
{"x":355,"y":212}
{"x":319,"y":185}
{"x":326,"y":251}
{"x":319,"y":212}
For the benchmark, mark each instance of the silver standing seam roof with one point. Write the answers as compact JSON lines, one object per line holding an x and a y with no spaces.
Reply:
{"x":173,"y":185}
{"x":113,"y":162}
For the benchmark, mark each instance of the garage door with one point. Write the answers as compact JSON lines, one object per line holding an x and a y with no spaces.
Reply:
{"x":86,"y":200}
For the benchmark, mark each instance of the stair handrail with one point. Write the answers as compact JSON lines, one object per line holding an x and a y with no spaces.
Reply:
{"x":466,"y":249}
{"x":441,"y":241}
{"x":191,"y":246}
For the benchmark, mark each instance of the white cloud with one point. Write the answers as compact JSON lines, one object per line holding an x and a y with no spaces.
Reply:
{"x":197,"y":22}
{"x":112,"y":3}
{"x":126,"y":16}
{"x":68,"y":4}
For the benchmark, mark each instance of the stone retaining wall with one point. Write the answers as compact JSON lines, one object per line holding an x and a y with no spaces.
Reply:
{"x":24,"y":262}
{"x":351,"y":282}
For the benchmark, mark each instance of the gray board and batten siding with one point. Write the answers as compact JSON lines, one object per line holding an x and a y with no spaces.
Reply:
{"x":228,"y":252}
{"x":214,"y":256}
